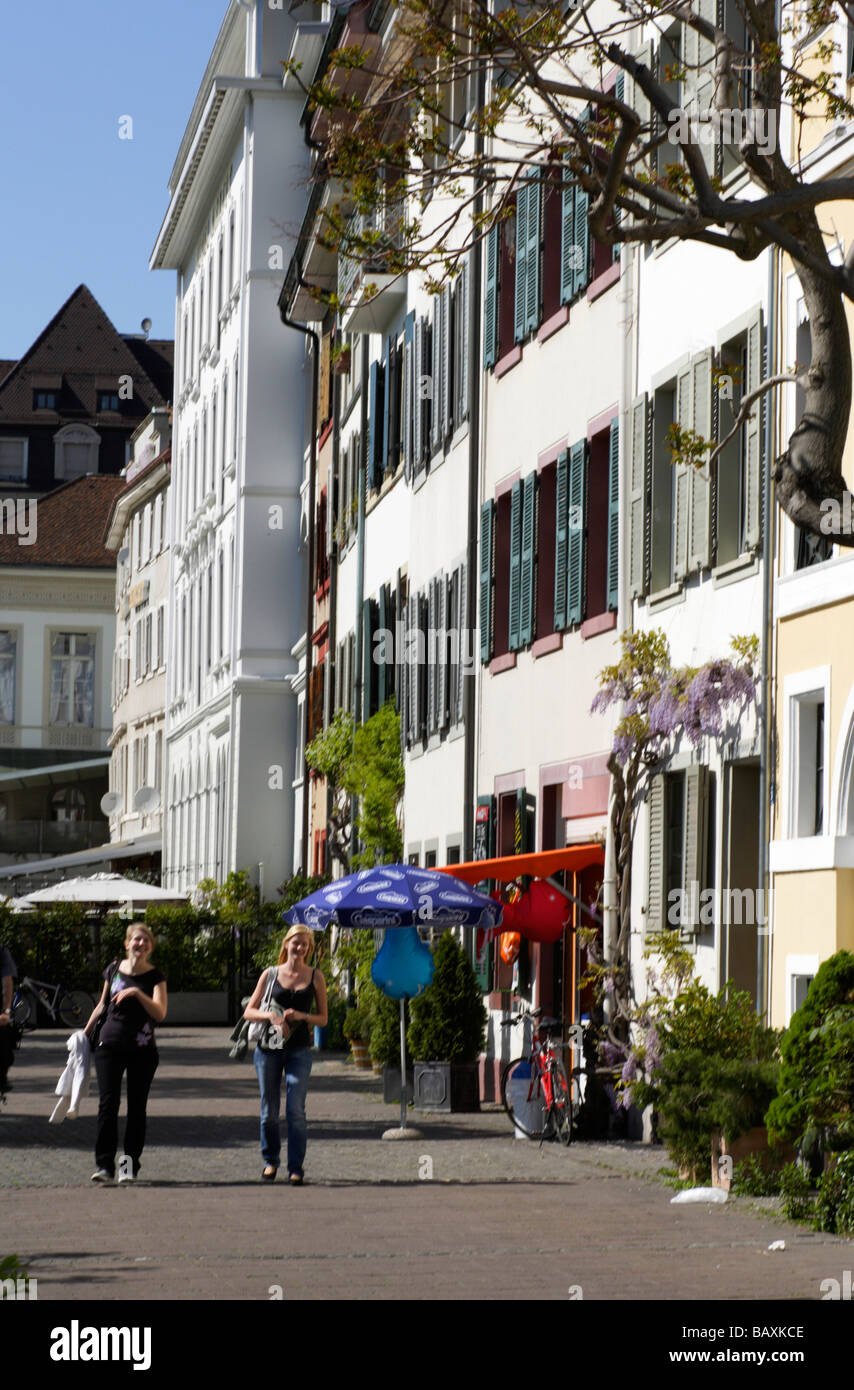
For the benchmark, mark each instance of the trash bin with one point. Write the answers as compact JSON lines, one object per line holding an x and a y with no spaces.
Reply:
{"x":529,"y":1112}
{"x":319,"y":1036}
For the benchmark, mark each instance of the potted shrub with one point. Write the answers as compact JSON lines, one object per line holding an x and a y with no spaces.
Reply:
{"x":446,"y":1033}
{"x":357,"y":1031}
{"x":705,"y":1062}
{"x":385,"y":1046}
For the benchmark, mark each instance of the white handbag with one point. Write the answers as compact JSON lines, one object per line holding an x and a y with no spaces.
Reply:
{"x":258,"y":1028}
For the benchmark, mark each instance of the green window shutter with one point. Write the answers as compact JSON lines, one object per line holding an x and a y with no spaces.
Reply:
{"x":701,"y":390}
{"x":655,"y":857}
{"x":374,"y":429}
{"x":561,"y":522}
{"x":485,"y":580}
{"x":520,"y":302}
{"x":682,"y":477}
{"x":580,"y":272}
{"x":515,"y":563}
{"x":637,"y":471}
{"x":367,"y":662}
{"x":753,"y":435}
{"x":490,"y":300}
{"x":613,"y":575}
{"x":462,"y":627}
{"x":410,"y":395}
{"x":575,"y":535}
{"x":567,"y":236}
{"x":526,"y":600}
{"x":620,"y":94}
{"x":532,"y":287}
{"x":382,"y":672}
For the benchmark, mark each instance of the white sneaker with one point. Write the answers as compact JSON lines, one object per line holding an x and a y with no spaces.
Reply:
{"x":101,"y":1175}
{"x":127,"y":1177}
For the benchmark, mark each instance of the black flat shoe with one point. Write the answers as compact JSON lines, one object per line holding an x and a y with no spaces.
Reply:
{"x":295,"y":1179}
{"x":269,"y":1173}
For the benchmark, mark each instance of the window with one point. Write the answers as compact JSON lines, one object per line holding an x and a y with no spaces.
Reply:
{"x":75,"y":451}
{"x":8,"y":663}
{"x":809,"y":756}
{"x":45,"y":400}
{"x":799,"y":989}
{"x":108,"y":400}
{"x":13,"y":460}
{"x":72,"y":679}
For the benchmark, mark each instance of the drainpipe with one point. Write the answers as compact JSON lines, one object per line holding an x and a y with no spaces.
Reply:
{"x":309,"y":598}
{"x":333,"y":560}
{"x":766,"y":785}
{"x":358,"y":693}
{"x":469,"y":692}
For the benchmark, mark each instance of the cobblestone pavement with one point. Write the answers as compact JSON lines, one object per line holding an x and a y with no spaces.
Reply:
{"x":498,"y":1218}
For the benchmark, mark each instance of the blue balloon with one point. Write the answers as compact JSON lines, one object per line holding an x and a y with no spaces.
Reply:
{"x":403,"y":966}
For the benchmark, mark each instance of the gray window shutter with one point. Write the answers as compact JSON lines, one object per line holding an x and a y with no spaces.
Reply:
{"x":490,"y":299}
{"x":462,"y":640}
{"x":388,"y":374}
{"x":382,"y":672}
{"x":694,"y":849}
{"x":462,"y":403}
{"x":367,"y":660}
{"x":532,"y":285}
{"x":655,"y":915}
{"x":446,"y":350}
{"x":418,"y":365}
{"x":432,"y":659}
{"x":640,"y":103}
{"x":485,"y":580}
{"x":575,"y":535}
{"x":411,"y":674}
{"x":437,"y":433}
{"x":515,"y":562}
{"x":613,"y":564}
{"x":701,"y":373}
{"x":351,"y":671}
{"x":561,"y":537}
{"x":526,"y":598}
{"x":520,"y":301}
{"x":567,"y":236}
{"x":443,"y":671}
{"x":339,"y":672}
{"x":682,"y":477}
{"x":637,"y":472}
{"x":698,"y":88}
{"x":753,"y":435}
{"x":409,"y":395}
{"x":620,"y":94}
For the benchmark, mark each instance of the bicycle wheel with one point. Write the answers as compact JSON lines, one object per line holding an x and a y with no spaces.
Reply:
{"x":560,"y":1111}
{"x":24,"y":1013}
{"x":75,"y":1006}
{"x":522,"y":1098}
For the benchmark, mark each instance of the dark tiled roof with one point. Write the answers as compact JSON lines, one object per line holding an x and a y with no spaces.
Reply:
{"x":81,"y":346}
{"x":70,"y":526}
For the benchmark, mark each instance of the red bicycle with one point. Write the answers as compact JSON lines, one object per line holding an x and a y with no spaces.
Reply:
{"x":536,"y":1090}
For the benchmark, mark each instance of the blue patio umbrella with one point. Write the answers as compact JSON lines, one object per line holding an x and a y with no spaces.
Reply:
{"x":403,"y":897}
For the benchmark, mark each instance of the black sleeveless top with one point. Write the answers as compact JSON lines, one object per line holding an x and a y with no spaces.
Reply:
{"x":295,"y":999}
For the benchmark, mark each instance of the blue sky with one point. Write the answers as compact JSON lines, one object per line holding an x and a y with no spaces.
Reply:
{"x":78,"y":204}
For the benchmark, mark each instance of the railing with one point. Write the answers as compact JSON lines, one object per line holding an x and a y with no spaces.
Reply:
{"x":383,"y":228}
{"x":51,"y":837}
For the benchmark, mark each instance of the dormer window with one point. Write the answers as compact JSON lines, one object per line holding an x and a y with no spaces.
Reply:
{"x":45,"y":400}
{"x":107,"y":400}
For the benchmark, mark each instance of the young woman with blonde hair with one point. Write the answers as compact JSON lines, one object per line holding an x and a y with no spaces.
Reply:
{"x":134,"y":999}
{"x":288,"y":1051}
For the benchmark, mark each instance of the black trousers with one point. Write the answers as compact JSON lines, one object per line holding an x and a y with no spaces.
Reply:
{"x":110,"y":1065}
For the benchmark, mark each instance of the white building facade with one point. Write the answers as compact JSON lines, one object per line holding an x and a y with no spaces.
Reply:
{"x":236,"y":595}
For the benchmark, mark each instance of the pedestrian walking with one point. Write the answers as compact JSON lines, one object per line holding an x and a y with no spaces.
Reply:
{"x":132,"y":1001}
{"x":283,"y":997}
{"x":8,"y":1032}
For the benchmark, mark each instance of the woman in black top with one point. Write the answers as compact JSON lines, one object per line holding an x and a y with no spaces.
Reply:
{"x":290,"y":1055}
{"x":134,"y":997}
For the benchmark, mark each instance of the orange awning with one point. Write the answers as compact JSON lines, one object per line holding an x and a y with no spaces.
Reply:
{"x":543,"y":865}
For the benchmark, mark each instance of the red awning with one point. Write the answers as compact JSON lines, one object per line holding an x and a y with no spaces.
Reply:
{"x":543,"y":865}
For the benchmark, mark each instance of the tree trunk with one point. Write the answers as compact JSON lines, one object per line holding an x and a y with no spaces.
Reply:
{"x":810,"y":471}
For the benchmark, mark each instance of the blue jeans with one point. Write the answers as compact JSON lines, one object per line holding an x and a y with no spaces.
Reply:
{"x":296,"y":1068}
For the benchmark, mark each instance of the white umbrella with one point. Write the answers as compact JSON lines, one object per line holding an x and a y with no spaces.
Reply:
{"x":100,"y":888}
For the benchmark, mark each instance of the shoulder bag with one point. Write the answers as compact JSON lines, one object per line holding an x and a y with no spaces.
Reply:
{"x":100,"y":1020}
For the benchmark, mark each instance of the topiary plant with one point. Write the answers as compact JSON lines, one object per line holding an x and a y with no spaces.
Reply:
{"x":814,"y":1107}
{"x":448,"y":1019}
{"x":385,"y":1030}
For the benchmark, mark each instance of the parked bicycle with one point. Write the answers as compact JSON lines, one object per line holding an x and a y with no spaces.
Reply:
{"x":72,"y":1007}
{"x":535,"y":1090}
